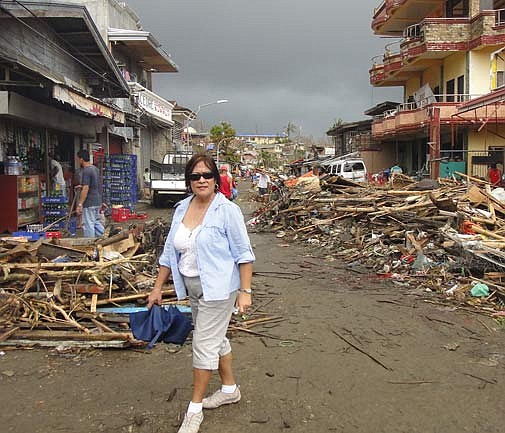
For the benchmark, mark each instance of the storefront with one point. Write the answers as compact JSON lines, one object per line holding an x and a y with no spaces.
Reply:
{"x":32,"y":134}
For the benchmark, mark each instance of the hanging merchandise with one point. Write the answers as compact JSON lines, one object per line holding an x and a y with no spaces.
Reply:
{"x":120,"y":181}
{"x":30,"y":148}
{"x":13,"y":166}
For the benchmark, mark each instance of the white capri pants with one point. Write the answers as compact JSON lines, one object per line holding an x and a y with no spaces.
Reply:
{"x":210,"y":323}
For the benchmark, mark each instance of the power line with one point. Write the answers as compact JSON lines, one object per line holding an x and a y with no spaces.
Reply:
{"x":58,"y":47}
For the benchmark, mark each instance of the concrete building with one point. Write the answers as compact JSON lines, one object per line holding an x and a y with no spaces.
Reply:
{"x":261,"y":139}
{"x":78,"y":74}
{"x":55,"y":91}
{"x":148,"y":133}
{"x":350,"y":137}
{"x":448,"y":54}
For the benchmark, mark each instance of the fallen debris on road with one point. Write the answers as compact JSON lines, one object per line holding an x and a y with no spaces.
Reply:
{"x":442,"y":237}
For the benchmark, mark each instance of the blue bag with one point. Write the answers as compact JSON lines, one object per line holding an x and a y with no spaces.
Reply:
{"x":167,"y":324}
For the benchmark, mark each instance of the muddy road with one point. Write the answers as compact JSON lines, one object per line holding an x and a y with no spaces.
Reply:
{"x":352,"y":354}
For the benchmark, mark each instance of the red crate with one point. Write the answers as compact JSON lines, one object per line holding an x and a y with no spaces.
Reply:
{"x":120,"y":214}
{"x":54,"y":234}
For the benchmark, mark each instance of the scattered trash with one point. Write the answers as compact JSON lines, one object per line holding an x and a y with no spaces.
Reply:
{"x":433,"y":235}
{"x":451,"y":346}
{"x":480,"y":290}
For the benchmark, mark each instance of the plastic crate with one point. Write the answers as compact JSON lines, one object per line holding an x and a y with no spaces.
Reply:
{"x":55,"y":200}
{"x":33,"y":236}
{"x":53,"y":234}
{"x":120,"y":214}
{"x":55,"y":212}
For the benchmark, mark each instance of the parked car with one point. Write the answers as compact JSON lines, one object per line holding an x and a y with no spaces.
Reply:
{"x":347,"y":166}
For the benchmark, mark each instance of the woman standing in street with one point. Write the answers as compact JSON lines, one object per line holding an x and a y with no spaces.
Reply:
{"x":210,"y":257}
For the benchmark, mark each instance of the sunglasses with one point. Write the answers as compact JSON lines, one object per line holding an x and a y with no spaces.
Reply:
{"x":196,"y":176}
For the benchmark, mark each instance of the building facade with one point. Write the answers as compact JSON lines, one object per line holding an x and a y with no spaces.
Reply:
{"x":78,"y":74}
{"x":55,"y":95}
{"x":448,"y":53}
{"x":149,"y":130}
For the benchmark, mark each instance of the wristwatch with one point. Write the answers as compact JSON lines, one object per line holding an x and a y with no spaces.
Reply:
{"x":248,"y":291}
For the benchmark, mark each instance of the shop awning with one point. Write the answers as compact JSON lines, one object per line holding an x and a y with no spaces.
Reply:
{"x":87,"y":104}
{"x":18,"y":107}
{"x":146,"y":48}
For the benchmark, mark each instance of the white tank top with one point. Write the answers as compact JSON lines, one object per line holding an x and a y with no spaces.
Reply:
{"x":184,"y":243}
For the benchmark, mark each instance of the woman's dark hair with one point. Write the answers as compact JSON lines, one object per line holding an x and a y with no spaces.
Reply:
{"x":208,"y":161}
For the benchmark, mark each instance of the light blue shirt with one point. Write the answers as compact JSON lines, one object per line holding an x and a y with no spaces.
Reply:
{"x":221,"y":244}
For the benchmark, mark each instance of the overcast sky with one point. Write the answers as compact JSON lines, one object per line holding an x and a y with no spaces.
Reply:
{"x":276,"y":61}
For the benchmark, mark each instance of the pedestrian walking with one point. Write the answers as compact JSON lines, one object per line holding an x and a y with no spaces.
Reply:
{"x":226,"y":182}
{"x":263,"y":183}
{"x":90,"y":200}
{"x":210,"y":257}
{"x":147,"y":183}
{"x":494,"y":174}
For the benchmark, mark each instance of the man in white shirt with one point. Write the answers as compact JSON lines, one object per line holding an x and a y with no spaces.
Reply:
{"x":57,"y":179}
{"x":263,"y":182}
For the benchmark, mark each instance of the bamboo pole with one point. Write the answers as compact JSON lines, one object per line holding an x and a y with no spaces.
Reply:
{"x":89,"y":264}
{"x":127,"y":298}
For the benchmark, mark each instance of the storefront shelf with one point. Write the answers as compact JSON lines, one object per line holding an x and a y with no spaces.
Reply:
{"x":20,"y":201}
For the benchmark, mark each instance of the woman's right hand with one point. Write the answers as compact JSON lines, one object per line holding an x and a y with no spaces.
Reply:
{"x":154,"y":298}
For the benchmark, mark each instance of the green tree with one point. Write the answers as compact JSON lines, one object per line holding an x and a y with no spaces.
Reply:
{"x":266,"y":159}
{"x":222,"y":135}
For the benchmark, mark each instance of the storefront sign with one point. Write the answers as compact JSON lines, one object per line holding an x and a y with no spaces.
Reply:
{"x":153,"y":104}
{"x":88,"y":105}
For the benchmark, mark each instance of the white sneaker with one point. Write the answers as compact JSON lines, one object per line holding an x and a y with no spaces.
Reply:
{"x":219,"y":398}
{"x":191,"y":423}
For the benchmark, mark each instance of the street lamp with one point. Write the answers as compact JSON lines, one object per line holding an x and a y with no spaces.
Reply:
{"x":218,"y":144}
{"x":195,"y":115}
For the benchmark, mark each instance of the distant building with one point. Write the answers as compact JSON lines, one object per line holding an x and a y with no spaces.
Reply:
{"x":260,"y":139}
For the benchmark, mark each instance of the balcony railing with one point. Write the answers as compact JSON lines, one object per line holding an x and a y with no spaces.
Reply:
{"x":411,"y":106}
{"x":414,"y":31}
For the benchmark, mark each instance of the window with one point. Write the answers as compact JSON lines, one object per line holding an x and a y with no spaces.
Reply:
{"x":461,"y":88}
{"x":456,"y":8}
{"x":436,"y":92}
{"x":449,"y":90}
{"x":500,"y":78}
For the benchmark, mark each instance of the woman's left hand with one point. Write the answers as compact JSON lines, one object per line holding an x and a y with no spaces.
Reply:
{"x":244,"y":301}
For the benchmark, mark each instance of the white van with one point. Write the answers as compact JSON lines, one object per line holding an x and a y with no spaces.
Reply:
{"x":353,"y":169}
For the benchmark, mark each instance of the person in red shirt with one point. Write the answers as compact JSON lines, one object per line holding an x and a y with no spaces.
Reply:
{"x":494,"y":174}
{"x":225,"y":187}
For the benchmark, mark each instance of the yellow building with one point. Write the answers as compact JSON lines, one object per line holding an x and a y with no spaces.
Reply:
{"x":449,"y":54}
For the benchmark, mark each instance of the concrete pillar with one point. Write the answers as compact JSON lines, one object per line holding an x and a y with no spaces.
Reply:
{"x":474,"y":7}
{"x":435,"y":142}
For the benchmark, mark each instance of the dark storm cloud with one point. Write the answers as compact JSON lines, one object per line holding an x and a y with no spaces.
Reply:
{"x":275,"y":60}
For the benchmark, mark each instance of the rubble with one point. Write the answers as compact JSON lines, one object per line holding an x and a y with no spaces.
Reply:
{"x":441,"y":237}
{"x":78,"y":293}
{"x":52,"y":290}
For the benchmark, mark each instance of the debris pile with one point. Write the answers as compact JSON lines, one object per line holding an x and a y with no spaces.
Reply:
{"x":56,"y":292}
{"x":445,"y":236}
{"x":78,"y":293}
